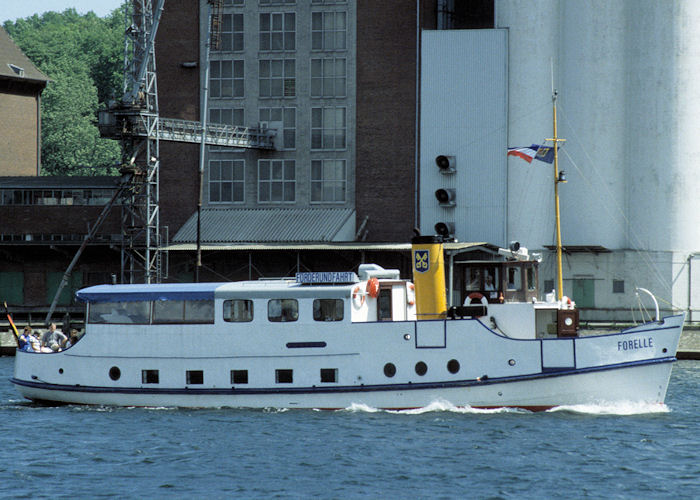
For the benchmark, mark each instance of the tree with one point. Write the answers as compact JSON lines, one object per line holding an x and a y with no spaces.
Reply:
{"x":82,"y":56}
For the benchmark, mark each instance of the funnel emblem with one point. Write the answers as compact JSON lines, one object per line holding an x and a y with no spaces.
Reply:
{"x":421,"y":261}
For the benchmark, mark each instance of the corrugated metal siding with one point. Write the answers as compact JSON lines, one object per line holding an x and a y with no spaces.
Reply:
{"x":267,"y":225}
{"x":464,"y":114}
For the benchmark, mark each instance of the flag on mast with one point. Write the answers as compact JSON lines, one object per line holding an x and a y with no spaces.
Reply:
{"x":534,"y":152}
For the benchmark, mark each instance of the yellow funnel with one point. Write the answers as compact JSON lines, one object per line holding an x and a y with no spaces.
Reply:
{"x":429,"y":277}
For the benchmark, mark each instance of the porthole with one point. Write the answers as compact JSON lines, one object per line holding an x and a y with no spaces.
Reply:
{"x":421,"y":368}
{"x":115,"y":373}
{"x":389,"y":369}
{"x":60,"y":370}
{"x":453,"y":366}
{"x":664,"y":350}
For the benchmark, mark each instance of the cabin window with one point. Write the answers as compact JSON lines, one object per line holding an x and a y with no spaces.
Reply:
{"x":183,"y":311}
{"x":119,"y":312}
{"x":195,"y":377}
{"x":328,"y":310}
{"x":329,"y":375}
{"x":149,"y":377}
{"x":472,"y":278}
{"x":531,"y":285}
{"x":239,"y":376}
{"x":238,"y":311}
{"x":384,"y":305}
{"x":284,"y":376}
{"x":514,"y":279}
{"x":281,"y":310}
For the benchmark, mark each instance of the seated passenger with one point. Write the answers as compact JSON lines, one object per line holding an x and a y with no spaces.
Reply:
{"x":53,"y":340}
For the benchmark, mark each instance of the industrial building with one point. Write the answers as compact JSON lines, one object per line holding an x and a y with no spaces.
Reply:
{"x":364,"y":96}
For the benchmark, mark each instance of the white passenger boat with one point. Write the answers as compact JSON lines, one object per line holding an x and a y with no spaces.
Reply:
{"x":331,"y":340}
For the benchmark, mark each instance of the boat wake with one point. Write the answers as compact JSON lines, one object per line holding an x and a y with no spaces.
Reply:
{"x":435,"y":406}
{"x":618,"y":408}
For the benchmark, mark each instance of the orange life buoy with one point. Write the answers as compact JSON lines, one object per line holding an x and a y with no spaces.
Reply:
{"x":476,"y":296}
{"x":411,"y":294}
{"x":358,"y":298}
{"x":373,"y":287}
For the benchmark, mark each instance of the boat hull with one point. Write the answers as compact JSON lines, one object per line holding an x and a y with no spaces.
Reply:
{"x":642,"y":383}
{"x":493,"y":370}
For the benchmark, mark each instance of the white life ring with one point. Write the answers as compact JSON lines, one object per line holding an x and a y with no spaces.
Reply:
{"x":411,"y":294}
{"x":358,"y":298}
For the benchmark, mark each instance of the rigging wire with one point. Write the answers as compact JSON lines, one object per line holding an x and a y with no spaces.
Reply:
{"x":635,"y":239}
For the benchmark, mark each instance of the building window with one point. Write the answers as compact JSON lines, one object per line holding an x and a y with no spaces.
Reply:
{"x":328,"y":77}
{"x":231,"y":33}
{"x":282,"y":310}
{"x":276,"y":181}
{"x":278,"y":31}
{"x":273,"y":2}
{"x":228,"y":3}
{"x":226,"y":79}
{"x":277,"y":78}
{"x":618,"y":286}
{"x":239,"y":376}
{"x":227,"y":116}
{"x":238,"y":310}
{"x":284,"y":376}
{"x":55,"y":196}
{"x":195,"y":377}
{"x":328,"y":181}
{"x":329,"y":375}
{"x":328,"y":310}
{"x":328,"y":30}
{"x":226,"y":181}
{"x":288,"y":117}
{"x":328,"y":128}
{"x":149,"y":377}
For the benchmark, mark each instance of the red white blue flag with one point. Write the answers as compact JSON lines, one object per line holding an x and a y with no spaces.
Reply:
{"x":533,"y":152}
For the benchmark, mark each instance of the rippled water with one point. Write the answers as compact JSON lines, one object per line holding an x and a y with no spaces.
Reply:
{"x":624,"y":451}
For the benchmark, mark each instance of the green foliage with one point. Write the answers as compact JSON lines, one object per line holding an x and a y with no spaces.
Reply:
{"x":82,"y":56}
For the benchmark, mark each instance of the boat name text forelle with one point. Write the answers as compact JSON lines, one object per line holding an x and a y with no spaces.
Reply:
{"x":628,"y":345}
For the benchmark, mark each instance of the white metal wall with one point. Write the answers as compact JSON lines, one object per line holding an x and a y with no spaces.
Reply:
{"x":463,"y":113}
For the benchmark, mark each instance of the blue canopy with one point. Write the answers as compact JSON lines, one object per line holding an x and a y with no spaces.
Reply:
{"x":159,"y":291}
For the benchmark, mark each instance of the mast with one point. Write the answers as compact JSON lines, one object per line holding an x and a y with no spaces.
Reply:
{"x":558,"y":177}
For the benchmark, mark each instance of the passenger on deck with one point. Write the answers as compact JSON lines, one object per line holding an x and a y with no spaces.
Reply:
{"x":25,"y":343}
{"x":73,"y":338}
{"x":53,"y":340}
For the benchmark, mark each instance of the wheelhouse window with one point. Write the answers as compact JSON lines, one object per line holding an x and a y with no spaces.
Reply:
{"x":238,"y":311}
{"x":328,"y":310}
{"x":282,"y":310}
{"x":119,"y":312}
